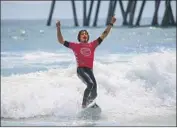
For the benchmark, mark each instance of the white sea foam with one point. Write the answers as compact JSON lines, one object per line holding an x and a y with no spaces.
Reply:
{"x":128,"y":85}
{"x":33,"y":59}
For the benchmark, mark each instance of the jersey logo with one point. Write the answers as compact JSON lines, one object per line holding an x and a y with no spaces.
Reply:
{"x":85,"y":51}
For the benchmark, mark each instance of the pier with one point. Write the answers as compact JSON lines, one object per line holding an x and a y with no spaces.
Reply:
{"x":128,"y":13}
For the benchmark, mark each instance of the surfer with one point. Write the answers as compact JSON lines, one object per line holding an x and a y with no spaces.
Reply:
{"x":84,"y":53}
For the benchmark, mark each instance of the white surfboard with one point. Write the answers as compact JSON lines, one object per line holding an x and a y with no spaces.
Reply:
{"x":90,"y":112}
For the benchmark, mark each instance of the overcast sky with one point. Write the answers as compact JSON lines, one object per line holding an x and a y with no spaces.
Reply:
{"x":63,"y":9}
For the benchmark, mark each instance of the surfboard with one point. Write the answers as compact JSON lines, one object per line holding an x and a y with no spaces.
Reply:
{"x":90,"y":112}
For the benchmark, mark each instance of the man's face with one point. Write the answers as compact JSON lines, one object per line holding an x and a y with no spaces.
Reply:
{"x":84,"y":37}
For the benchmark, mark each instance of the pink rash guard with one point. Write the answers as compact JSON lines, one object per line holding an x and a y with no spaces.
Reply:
{"x":84,"y":52}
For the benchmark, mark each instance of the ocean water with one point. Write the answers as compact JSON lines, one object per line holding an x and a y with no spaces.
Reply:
{"x":135,"y":69}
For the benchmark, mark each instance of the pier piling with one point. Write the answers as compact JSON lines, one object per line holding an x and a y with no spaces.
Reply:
{"x":128,"y":13}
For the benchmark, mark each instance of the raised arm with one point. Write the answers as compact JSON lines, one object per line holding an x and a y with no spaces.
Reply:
{"x":59,"y":35}
{"x":107,"y":30}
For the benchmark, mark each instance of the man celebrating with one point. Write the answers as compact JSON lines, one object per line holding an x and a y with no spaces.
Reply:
{"x":84,"y":53}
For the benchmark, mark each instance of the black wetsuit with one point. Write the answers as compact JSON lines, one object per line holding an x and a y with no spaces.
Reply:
{"x":86,"y":75}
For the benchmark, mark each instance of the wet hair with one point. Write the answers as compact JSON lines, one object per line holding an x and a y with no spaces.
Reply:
{"x":78,"y":36}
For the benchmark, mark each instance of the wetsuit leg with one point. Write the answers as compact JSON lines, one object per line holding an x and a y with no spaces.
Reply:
{"x":93,"y":92}
{"x":86,"y":75}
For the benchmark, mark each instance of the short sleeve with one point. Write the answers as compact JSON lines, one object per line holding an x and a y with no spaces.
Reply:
{"x":96,"y":42}
{"x":66,"y":44}
{"x":70,"y":45}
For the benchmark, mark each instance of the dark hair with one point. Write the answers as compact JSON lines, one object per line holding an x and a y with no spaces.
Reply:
{"x":78,"y":36}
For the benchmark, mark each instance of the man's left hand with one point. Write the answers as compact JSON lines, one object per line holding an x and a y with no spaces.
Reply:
{"x":113,"y":20}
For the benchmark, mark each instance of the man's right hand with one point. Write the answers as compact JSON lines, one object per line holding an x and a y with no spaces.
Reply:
{"x":59,"y":35}
{"x":58,"y":24}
